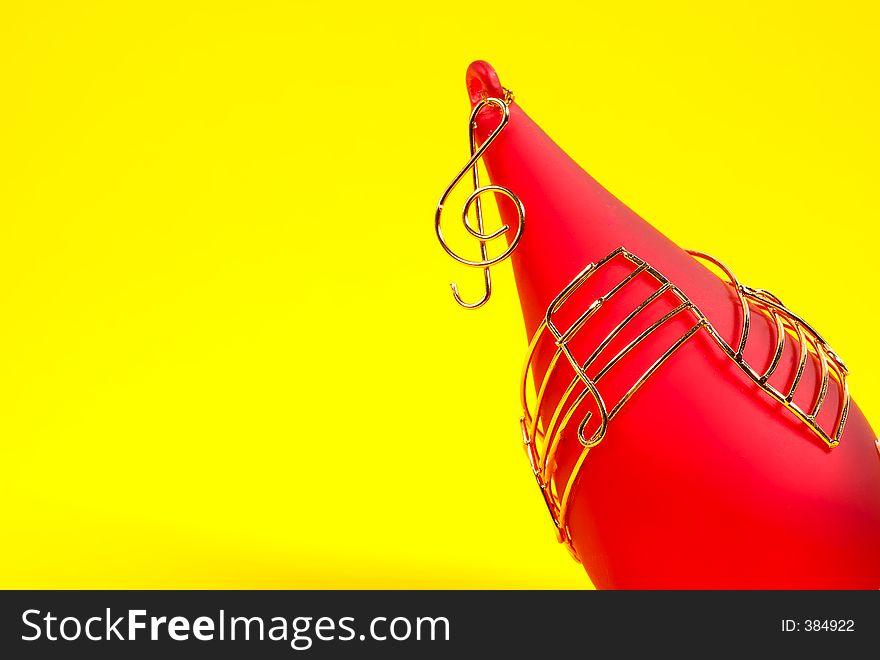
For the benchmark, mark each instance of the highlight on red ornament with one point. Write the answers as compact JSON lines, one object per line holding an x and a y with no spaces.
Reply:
{"x":685,"y":430}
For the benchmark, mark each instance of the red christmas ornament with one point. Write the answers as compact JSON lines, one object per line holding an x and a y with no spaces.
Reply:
{"x":689,"y":431}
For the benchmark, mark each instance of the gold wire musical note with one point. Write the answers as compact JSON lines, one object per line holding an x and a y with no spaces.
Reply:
{"x":474,"y":200}
{"x":542,"y":429}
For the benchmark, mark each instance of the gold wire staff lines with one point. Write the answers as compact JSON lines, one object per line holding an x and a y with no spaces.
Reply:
{"x":809,"y":342}
{"x":541,"y":454}
{"x":474,"y":200}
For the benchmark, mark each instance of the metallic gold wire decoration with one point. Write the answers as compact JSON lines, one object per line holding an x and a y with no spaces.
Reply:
{"x":542,"y":440}
{"x":474,"y":200}
{"x":542,"y":429}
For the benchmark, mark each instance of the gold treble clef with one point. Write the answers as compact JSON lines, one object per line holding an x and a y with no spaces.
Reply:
{"x":474,"y":199}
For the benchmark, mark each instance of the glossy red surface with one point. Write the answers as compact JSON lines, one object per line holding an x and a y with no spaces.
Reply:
{"x":703,"y":480}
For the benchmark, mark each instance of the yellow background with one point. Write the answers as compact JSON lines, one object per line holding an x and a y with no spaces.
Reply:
{"x":230,"y":357}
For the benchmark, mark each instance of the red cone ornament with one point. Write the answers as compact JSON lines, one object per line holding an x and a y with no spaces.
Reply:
{"x":687,"y":431}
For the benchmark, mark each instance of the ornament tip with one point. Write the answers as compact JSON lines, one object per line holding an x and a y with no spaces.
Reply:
{"x":482,"y":81}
